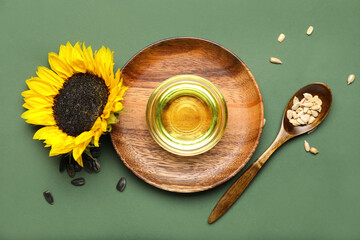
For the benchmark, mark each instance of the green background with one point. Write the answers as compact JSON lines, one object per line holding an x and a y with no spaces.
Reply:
{"x":296,"y":196}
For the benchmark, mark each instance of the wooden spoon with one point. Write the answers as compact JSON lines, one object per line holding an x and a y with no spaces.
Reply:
{"x":287,"y":131}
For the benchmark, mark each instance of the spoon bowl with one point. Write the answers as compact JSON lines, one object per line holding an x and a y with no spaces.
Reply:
{"x":324,"y":93}
{"x":287,"y":131}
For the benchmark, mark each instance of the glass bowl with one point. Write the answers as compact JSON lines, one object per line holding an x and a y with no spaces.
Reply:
{"x":186,"y":115}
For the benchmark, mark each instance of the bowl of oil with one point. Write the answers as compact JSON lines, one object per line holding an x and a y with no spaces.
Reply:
{"x":186,"y":115}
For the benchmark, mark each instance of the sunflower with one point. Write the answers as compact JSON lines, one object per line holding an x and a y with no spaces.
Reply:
{"x":75,"y":101}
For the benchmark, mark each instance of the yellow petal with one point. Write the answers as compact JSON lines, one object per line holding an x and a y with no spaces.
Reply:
{"x":43,"y":133}
{"x":43,"y":116}
{"x":29,"y":93}
{"x":89,"y":59}
{"x":97,"y":137}
{"x":77,"y":59}
{"x":59,"y":66}
{"x":50,"y":76}
{"x":79,"y":149}
{"x":83,"y":137}
{"x":117,"y":107}
{"x":38,"y":102}
{"x":41,"y":87}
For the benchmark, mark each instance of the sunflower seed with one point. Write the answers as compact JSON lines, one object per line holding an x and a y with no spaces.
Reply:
{"x":314,"y":150}
{"x":317,"y":100}
{"x":300,"y":121}
{"x":120,"y":186}
{"x":305,"y":118}
{"x":350,"y":79}
{"x":48,"y":197}
{"x":310,"y":30}
{"x":295,"y":106}
{"x":307,"y":104}
{"x":275,"y":60}
{"x":307,"y":146}
{"x":95,"y":152}
{"x":63,"y":163}
{"x":314,"y":113}
{"x":95,"y":165}
{"x":264,"y":122}
{"x":311,"y":120}
{"x":306,"y":109}
{"x":78,"y":181}
{"x":307,"y":96}
{"x":71,"y":169}
{"x":289,"y":114}
{"x":77,"y":167}
{"x":281,"y":37}
{"x":294,"y":122}
{"x":295,"y":100}
{"x":315,"y":107}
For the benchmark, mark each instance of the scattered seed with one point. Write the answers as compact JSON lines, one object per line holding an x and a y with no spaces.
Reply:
{"x":307,"y":146}
{"x":281,"y":37}
{"x":310,"y":30}
{"x":350,"y":79}
{"x":275,"y":60}
{"x":314,"y":150}
{"x":120,"y":186}
{"x":264,"y":122}
{"x":78,"y":181}
{"x":48,"y":197}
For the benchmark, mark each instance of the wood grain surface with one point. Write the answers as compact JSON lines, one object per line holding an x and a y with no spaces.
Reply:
{"x":165,"y":59}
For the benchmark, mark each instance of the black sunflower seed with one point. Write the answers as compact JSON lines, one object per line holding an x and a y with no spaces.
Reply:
{"x":95,"y":152}
{"x":78,"y":181}
{"x":48,"y":197}
{"x":63,"y":163}
{"x":120,"y":186}
{"x":77,"y":167}
{"x":71,"y":169}
{"x":87,"y":161}
{"x":95,"y":165}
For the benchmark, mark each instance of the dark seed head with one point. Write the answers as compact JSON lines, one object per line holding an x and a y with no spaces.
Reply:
{"x":78,"y":181}
{"x":79,"y":103}
{"x":121,"y":184}
{"x":48,"y":197}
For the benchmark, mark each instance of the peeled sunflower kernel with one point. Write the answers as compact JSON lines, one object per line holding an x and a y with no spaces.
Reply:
{"x":307,"y":146}
{"x":314,"y":150}
{"x":350,"y":79}
{"x":281,"y":37}
{"x":310,"y":30}
{"x":275,"y":60}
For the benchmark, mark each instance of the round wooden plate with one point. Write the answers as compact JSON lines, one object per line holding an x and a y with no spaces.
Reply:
{"x":165,"y":59}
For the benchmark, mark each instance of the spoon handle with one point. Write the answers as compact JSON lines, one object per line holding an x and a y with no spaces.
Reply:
{"x":238,"y":187}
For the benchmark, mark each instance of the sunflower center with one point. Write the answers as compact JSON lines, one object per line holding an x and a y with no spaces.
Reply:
{"x":79,"y":103}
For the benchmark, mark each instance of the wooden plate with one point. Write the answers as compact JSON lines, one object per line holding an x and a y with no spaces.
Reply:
{"x":164,"y":59}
